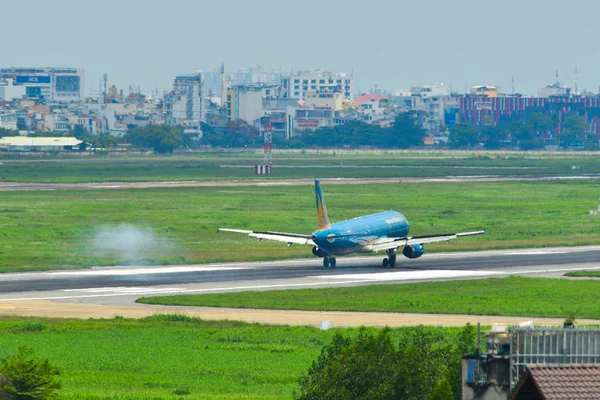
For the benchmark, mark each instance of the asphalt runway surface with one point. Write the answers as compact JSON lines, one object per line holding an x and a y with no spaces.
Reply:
{"x":110,"y":291}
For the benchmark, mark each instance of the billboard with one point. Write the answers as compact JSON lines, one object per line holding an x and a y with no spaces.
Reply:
{"x":24,"y":79}
{"x":67,"y":83}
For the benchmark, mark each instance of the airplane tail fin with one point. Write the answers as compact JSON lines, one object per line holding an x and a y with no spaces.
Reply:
{"x":322,"y":217}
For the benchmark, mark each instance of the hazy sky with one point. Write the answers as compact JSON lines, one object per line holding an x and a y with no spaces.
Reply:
{"x":391,"y":43}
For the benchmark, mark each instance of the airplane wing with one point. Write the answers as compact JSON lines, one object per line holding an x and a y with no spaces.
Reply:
{"x":393,"y":243}
{"x":289,"y":238}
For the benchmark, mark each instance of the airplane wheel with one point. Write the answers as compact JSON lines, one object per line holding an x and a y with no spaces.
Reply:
{"x":325,"y":262}
{"x":386,"y":262}
{"x":332,"y":262}
{"x":393,"y":261}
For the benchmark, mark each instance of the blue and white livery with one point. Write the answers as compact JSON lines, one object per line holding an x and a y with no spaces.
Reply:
{"x":386,"y":231}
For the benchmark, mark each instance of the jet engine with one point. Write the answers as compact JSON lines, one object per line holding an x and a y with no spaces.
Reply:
{"x":318,"y":252}
{"x":413,"y":251}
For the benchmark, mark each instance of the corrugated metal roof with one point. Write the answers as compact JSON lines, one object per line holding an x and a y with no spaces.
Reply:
{"x":39,"y":141}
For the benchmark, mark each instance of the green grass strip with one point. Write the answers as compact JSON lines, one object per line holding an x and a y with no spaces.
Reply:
{"x":165,"y":357}
{"x":584,"y":274}
{"x":512,"y":296}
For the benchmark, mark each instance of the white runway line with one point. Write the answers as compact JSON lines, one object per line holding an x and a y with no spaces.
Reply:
{"x":132,"y":271}
{"x":412,"y":275}
{"x":184,"y":291}
{"x":124,"y":289}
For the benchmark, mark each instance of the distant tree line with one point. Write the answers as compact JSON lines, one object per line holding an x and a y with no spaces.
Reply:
{"x":405,"y":132}
{"x":524,"y":133}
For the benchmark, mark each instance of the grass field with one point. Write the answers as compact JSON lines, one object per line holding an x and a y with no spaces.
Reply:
{"x":513,"y":296}
{"x":240,"y":166}
{"x":160,"y":358}
{"x":584,"y":274}
{"x":43,"y":230}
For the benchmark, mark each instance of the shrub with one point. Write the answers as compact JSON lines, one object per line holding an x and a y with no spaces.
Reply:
{"x":24,"y":377}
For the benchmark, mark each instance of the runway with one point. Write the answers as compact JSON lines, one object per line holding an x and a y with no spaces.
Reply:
{"x":110,"y":291}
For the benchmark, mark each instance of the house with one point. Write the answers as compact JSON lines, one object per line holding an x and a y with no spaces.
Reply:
{"x":558,"y":382}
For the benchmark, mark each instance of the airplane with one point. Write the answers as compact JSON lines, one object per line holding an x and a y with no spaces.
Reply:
{"x":385,"y":231}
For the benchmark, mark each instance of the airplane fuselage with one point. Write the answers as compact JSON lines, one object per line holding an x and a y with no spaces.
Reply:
{"x":358,"y":234}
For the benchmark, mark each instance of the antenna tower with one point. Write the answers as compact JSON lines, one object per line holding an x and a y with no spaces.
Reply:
{"x":223,"y":85}
{"x":105,"y":80}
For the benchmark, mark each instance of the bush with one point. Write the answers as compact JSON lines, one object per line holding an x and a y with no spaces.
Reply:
{"x":24,"y":377}
{"x":371,"y":367}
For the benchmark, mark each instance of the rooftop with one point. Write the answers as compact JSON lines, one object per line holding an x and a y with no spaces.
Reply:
{"x":562,"y":381}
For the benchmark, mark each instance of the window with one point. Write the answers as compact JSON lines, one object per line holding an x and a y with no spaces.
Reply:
{"x":313,"y":81}
{"x":322,"y":81}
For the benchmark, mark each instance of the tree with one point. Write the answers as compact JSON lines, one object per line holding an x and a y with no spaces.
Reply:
{"x":421,"y":363}
{"x":349,"y":369}
{"x":161,"y":138}
{"x":405,"y":132}
{"x":463,"y":135}
{"x":541,"y":121}
{"x":101,"y":141}
{"x":24,"y":377}
{"x":492,"y":135}
{"x":573,"y":129}
{"x":370,"y":367}
{"x":466,"y":343}
{"x":8,"y":132}
{"x":525,"y":135}
{"x":78,"y":131}
{"x":236,"y":133}
{"x":442,"y":390}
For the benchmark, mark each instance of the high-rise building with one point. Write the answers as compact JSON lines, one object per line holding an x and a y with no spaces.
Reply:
{"x":184,"y":103}
{"x":50,"y":84}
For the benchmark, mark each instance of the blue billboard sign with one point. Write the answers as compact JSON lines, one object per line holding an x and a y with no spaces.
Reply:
{"x":24,"y":79}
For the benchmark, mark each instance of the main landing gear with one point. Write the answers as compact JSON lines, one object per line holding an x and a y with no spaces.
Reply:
{"x":328,"y":262}
{"x":390,"y":261}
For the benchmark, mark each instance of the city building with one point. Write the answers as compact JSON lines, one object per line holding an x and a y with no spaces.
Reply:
{"x":331,"y":100}
{"x":555,"y":89}
{"x":183,"y":105}
{"x":8,"y":120}
{"x":485,"y":90}
{"x":311,"y":118}
{"x":49,"y":84}
{"x":431,"y":100}
{"x":246,"y":102}
{"x":295,"y":86}
{"x":9,"y":91}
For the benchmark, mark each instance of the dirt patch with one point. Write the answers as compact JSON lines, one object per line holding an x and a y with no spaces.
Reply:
{"x":54,"y":309}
